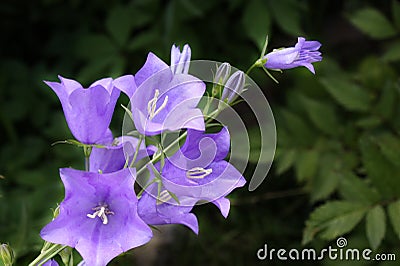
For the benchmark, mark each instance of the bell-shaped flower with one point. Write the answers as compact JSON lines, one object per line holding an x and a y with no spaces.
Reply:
{"x":198,"y":171}
{"x":118,"y":155}
{"x":233,"y":87}
{"x":156,"y":206}
{"x":304,"y":53}
{"x":88,"y":111}
{"x":180,"y":61}
{"x":98,"y":216}
{"x":162,"y":100}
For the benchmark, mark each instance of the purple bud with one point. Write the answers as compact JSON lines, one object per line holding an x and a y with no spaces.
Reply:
{"x":180,"y":62}
{"x":222,"y":74}
{"x":233,"y":87}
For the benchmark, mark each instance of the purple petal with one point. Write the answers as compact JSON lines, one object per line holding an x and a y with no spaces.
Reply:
{"x":152,"y":66}
{"x":126,"y":84}
{"x":224,"y":205}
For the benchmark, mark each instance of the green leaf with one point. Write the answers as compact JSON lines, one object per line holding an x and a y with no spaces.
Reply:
{"x":373,"y":23}
{"x":285,"y":160}
{"x":256,"y":21}
{"x":390,"y":147}
{"x":376,"y":226}
{"x":387,"y":103}
{"x":306,"y":164}
{"x":333,"y":219}
{"x":392,"y":52}
{"x":288,"y":15}
{"x":382,"y":173}
{"x":396,"y":13}
{"x":322,"y":114}
{"x":347,"y":94}
{"x":394,"y":216}
{"x":326,"y":181}
{"x":142,"y":40}
{"x":353,"y":188}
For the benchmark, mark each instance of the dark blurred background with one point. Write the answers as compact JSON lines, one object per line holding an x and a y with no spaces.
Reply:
{"x":337,"y":166}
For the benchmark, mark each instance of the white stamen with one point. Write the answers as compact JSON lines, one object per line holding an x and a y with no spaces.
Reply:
{"x":152,"y":105}
{"x":198,"y":173}
{"x":163,"y":197}
{"x":101,"y":211}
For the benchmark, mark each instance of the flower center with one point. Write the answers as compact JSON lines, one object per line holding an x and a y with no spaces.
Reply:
{"x":152,"y":105}
{"x":101,"y":211}
{"x":198,"y":173}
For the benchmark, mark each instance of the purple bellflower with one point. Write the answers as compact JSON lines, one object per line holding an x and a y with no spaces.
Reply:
{"x":118,"y":155}
{"x":198,"y":170}
{"x":98,"y":216}
{"x":159,"y":209}
{"x":88,"y":111}
{"x":304,"y":53}
{"x":162,"y":100}
{"x":180,"y":62}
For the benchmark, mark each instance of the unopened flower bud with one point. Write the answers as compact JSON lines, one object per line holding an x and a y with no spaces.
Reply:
{"x":233,"y":87}
{"x":6,"y":255}
{"x":180,"y":62}
{"x":222,"y":74}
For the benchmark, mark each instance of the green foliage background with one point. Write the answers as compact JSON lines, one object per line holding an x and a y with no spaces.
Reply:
{"x":337,"y":165}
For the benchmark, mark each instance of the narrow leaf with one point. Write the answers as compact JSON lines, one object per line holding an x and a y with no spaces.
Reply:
{"x":376,"y":226}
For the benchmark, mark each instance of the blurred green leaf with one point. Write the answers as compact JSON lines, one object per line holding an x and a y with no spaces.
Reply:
{"x":396,"y":13}
{"x":142,"y":40}
{"x":322,"y":114}
{"x":373,"y":23}
{"x":376,"y":226}
{"x":387,"y":102}
{"x":94,"y":47}
{"x":327,"y":179}
{"x":392,"y":53}
{"x":119,"y":23}
{"x":353,"y":188}
{"x":379,"y":170}
{"x":287,"y":14}
{"x":333,"y":219}
{"x":256,"y":21}
{"x":306,"y":164}
{"x":390,"y":147}
{"x":394,"y":216}
{"x":284,"y":160}
{"x":347,"y":94}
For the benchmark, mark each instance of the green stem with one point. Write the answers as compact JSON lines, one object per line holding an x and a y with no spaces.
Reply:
{"x":251,"y":68}
{"x":47,"y":254}
{"x":137,"y":150}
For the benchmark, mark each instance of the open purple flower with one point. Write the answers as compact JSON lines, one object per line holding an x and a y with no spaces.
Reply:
{"x":198,"y":171}
{"x":159,"y":209}
{"x":120,"y":153}
{"x":98,"y":216}
{"x":88,"y":111}
{"x":162,"y":100}
{"x":180,"y":62}
{"x":304,"y":53}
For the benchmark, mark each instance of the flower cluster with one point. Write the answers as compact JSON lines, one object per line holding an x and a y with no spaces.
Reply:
{"x":102,"y":215}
